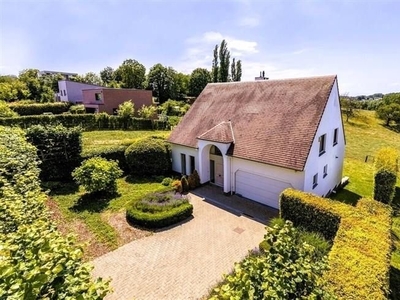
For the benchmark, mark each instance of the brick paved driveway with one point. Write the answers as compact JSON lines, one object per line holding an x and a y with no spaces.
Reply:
{"x":183,"y":262}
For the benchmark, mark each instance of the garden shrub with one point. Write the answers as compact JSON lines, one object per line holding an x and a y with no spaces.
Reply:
{"x":58,"y":148}
{"x":193,"y":180}
{"x":27,"y":109}
{"x":98,"y":174}
{"x":385,"y":175}
{"x":77,"y":109}
{"x":160,"y":209}
{"x":286,"y":271}
{"x":6,"y":111}
{"x":36,"y":262}
{"x":177,"y":185}
{"x":167,"y":181}
{"x":116,"y":153}
{"x":148,"y":156}
{"x":359,"y":260}
{"x":173,"y":121}
{"x":185,"y":184}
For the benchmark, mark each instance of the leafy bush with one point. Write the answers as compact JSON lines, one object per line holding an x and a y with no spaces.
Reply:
{"x":306,"y":210}
{"x":147,"y":112}
{"x":36,"y":260}
{"x":177,"y":185}
{"x":167,"y":181}
{"x":98,"y":175}
{"x":286,"y":271}
{"x":173,"y":121}
{"x":194,"y":180}
{"x":385,"y":175}
{"x":149,"y":156}
{"x":185,"y":184}
{"x":125,"y":112}
{"x":77,"y":109}
{"x":58,"y":148}
{"x":116,"y":153}
{"x":6,"y":111}
{"x":158,"y":210}
{"x":27,"y":109}
{"x":360,"y":256}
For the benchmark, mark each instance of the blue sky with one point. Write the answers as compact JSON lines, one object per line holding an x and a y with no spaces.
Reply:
{"x":357,"y":40}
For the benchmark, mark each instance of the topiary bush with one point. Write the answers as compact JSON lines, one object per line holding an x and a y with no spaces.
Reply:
{"x":167,"y":181}
{"x":149,"y":156}
{"x":77,"y":109}
{"x":185,"y":184}
{"x":59,"y":149}
{"x":193,"y":180}
{"x":98,"y":174}
{"x":385,"y":175}
{"x":158,"y":210}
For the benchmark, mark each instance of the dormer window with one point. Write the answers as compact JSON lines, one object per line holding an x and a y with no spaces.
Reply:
{"x":322,"y":144}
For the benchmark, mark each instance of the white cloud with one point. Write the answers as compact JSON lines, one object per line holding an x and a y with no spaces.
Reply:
{"x":250,"y":22}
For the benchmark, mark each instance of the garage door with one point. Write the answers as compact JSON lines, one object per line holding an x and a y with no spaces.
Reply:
{"x":259,"y":188}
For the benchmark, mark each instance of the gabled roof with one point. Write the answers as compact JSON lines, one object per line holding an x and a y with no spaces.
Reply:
{"x":272,"y":122}
{"x":221,"y":133}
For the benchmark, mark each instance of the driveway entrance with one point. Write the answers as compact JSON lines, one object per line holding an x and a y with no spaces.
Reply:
{"x":183,"y":262}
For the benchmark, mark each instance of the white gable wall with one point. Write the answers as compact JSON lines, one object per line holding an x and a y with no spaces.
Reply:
{"x":176,"y":157}
{"x":333,"y":156}
{"x":73,"y":90}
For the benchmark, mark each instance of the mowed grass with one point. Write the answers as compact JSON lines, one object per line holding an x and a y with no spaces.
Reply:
{"x":106,"y":138}
{"x":365,"y":134}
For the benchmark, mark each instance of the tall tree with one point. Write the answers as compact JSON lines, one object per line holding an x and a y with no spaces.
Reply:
{"x":162,"y":80}
{"x":233,"y":70}
{"x":198,"y":80}
{"x":182,"y":85}
{"x":107,"y":75}
{"x":132,"y":74}
{"x":92,"y":78}
{"x":215,"y":65}
{"x":238,"y":70}
{"x":224,"y":59}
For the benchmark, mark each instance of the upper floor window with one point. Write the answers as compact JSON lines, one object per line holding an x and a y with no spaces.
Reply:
{"x":97,"y":96}
{"x":322,"y":144}
{"x":325,"y":170}
{"x":315,"y":181}
{"x":335,"y":136}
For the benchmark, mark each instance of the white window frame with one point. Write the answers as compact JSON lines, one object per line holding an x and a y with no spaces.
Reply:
{"x":322,"y":144}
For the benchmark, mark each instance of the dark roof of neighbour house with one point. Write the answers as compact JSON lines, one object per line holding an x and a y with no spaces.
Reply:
{"x":272,"y":122}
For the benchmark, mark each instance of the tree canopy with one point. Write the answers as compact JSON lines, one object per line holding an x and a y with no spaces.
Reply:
{"x":199,"y":78}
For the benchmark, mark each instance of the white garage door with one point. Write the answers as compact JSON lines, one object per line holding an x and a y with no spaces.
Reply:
{"x":259,"y":188}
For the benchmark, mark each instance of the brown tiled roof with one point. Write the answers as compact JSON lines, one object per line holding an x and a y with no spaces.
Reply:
{"x":273,"y":121}
{"x":221,"y":133}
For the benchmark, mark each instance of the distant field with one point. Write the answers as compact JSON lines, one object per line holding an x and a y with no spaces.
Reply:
{"x":103,"y":139}
{"x":366,"y":134}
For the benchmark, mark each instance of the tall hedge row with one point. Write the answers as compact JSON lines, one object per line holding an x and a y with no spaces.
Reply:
{"x":85,"y":121}
{"x":359,"y":260}
{"x":385,"y":176}
{"x":59,"y":149}
{"x":116,"y":153}
{"x":24,"y":109}
{"x":37,"y":262}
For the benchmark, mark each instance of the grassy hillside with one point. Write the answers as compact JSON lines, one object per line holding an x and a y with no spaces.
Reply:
{"x":365,"y":134}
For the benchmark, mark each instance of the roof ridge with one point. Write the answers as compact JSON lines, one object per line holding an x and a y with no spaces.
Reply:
{"x":274,"y":80}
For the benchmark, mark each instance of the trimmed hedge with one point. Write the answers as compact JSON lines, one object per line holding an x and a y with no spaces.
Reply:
{"x":160,"y":219}
{"x":149,"y":156}
{"x":58,"y":148}
{"x":385,"y":176}
{"x":24,"y":109}
{"x":85,"y":121}
{"x":111,"y":153}
{"x":360,"y":256}
{"x":308,"y":211}
{"x":37,"y":261}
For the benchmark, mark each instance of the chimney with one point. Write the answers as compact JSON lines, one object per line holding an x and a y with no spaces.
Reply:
{"x":262,"y":76}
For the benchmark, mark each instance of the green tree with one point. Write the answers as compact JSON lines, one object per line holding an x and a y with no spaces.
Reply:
{"x":107,"y":75}
{"x":198,"y":80}
{"x":389,"y":112}
{"x":131,"y":73}
{"x":13,"y":90}
{"x":215,"y":65}
{"x":233,"y":70}
{"x":147,"y":112}
{"x":181,"y":87}
{"x":31,"y":79}
{"x":126,"y":111}
{"x":348,"y":106}
{"x":162,"y":80}
{"x":92,"y":78}
{"x":238,"y":70}
{"x":6,"y":111}
{"x":224,"y":59}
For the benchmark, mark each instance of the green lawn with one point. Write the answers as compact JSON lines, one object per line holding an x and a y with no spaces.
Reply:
{"x":364,"y":136}
{"x":103,"y":139}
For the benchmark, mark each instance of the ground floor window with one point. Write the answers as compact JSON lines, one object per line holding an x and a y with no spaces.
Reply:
{"x":183,"y":164}
{"x":192,"y":164}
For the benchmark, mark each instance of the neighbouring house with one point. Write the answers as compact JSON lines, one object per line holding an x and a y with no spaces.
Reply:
{"x":257,"y":138}
{"x":108,"y":99}
{"x":98,"y":99}
{"x":66,"y":75}
{"x":71,"y":91}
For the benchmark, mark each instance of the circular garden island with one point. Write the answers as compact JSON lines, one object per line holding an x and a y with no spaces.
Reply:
{"x":157,"y":210}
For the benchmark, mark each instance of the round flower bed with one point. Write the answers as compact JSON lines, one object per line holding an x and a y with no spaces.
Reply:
{"x":158,"y":210}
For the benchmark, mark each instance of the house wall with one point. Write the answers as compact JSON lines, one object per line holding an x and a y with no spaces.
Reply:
{"x":176,"y":157}
{"x":114,"y":97}
{"x":333,"y":156}
{"x":73,"y":90}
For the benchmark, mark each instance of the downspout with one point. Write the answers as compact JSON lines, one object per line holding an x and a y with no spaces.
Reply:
{"x":230,"y":167}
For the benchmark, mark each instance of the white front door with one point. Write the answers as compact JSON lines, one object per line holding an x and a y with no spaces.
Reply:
{"x":219,"y":174}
